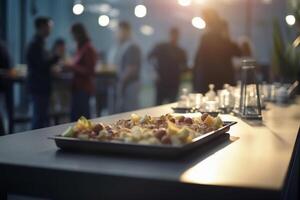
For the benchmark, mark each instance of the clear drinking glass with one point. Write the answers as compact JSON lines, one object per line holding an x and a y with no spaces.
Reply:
{"x":211,"y":106}
{"x":195,"y":100}
{"x":184,"y":100}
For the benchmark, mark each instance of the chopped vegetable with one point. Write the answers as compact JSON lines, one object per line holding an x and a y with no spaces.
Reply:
{"x":135,"y":118}
{"x":184,"y":133}
{"x":209,"y":121}
{"x":218,"y":123}
{"x":172,"y":129}
{"x":163,"y":130}
{"x":69,"y":132}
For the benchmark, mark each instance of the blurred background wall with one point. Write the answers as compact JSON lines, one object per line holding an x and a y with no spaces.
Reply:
{"x":252,"y":18}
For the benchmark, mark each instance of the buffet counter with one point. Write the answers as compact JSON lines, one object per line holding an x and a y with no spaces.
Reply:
{"x":257,"y":161}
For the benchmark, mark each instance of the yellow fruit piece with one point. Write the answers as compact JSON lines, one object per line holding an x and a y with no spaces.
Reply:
{"x":209,"y":121}
{"x":172,"y":129}
{"x":184,"y":133}
{"x":145,"y":119}
{"x":218,"y":123}
{"x":135,"y":118}
{"x":189,"y":139}
{"x":83,"y":124}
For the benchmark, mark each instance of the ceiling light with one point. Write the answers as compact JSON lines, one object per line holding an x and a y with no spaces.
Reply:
{"x":78,"y":9}
{"x":198,"y":23}
{"x":290,"y":20}
{"x":140,"y":11}
{"x":103,"y":20}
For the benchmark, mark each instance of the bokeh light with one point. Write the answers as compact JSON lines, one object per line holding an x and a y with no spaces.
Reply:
{"x":140,"y":11}
{"x":290,"y":20}
{"x":147,"y":30}
{"x":103,"y":20}
{"x":198,"y":23}
{"x":78,"y":9}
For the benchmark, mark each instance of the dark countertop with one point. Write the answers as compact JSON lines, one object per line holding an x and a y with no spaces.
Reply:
{"x":255,"y":158}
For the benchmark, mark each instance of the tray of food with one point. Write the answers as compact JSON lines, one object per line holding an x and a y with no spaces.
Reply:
{"x":166,"y":135}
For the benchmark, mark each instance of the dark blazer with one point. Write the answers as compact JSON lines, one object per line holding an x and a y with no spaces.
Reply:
{"x":39,"y":62}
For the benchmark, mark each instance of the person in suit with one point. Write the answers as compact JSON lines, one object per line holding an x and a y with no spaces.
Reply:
{"x":40,"y":61}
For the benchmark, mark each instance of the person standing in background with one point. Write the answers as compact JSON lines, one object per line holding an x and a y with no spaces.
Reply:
{"x":59,"y":48}
{"x":128,"y":58}
{"x":40,"y":61}
{"x":246,"y":50}
{"x":5,"y":87}
{"x":169,"y":60}
{"x":83,"y":66}
{"x":60,"y":99}
{"x":246,"y":47}
{"x":213,"y":60}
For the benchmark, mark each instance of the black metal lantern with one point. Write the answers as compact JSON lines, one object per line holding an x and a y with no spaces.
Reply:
{"x":250,"y":106}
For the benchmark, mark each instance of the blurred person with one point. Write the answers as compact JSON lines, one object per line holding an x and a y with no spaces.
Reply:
{"x":59,"y":48}
{"x":61,"y":91}
{"x":5,"y":87}
{"x":128,"y":61}
{"x":246,"y":47}
{"x":40,"y":61}
{"x":169,"y":61}
{"x":213,"y":60}
{"x":104,"y":84}
{"x":83,"y":66}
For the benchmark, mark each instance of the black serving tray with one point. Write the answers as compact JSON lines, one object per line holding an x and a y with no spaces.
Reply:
{"x":184,"y":109}
{"x":118,"y":147}
{"x":193,"y":110}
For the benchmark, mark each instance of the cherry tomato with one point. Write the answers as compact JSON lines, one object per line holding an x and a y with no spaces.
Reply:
{"x":188,"y":120}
